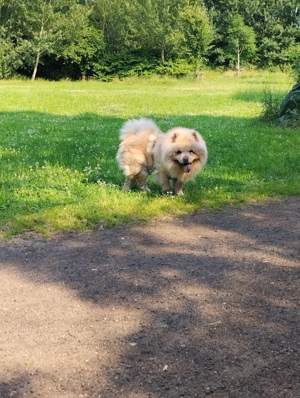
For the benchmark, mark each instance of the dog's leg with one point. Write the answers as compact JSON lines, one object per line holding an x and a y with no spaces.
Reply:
{"x":141,"y":180}
{"x":162,"y":180}
{"x":129,"y":181}
{"x":178,"y":185}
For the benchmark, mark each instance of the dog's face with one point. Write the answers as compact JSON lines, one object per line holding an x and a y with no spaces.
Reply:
{"x":185,"y":159}
{"x":187,"y":149}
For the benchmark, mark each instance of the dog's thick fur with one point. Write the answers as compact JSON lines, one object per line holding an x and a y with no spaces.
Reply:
{"x":135,"y":153}
{"x":179,"y":155}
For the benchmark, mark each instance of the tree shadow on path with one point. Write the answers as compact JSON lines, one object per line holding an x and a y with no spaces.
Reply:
{"x":203,"y":305}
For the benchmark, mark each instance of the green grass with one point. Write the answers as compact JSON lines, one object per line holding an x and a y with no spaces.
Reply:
{"x":58,"y":142}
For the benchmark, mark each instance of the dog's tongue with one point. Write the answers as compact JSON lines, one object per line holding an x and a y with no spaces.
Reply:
{"x":186,"y":168}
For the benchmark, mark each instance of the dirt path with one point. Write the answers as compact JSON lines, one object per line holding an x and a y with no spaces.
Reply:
{"x":207,"y":305}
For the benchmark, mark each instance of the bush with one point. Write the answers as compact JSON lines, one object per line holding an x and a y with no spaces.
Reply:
{"x":271,"y":106}
{"x":177,"y":68}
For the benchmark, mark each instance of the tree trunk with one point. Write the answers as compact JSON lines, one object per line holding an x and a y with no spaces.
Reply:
{"x":162,"y":50}
{"x":163,"y":55}
{"x":39,"y":48}
{"x":37,"y":61}
{"x":238,"y":66}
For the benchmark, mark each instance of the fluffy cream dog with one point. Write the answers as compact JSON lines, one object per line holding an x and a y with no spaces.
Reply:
{"x":135,"y":153}
{"x":179,"y":155}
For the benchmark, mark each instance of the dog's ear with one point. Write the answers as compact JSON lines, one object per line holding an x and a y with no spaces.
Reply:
{"x":175,"y":135}
{"x":195,"y":135}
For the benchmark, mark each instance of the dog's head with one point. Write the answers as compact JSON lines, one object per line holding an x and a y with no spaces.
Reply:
{"x":187,"y":149}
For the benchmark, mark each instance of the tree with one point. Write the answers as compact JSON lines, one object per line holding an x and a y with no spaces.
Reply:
{"x":197,"y":32}
{"x":241,"y":40}
{"x":119,"y":37}
{"x":166,"y":32}
{"x":221,"y":13}
{"x":4,"y":54}
{"x":43,"y":34}
{"x":118,"y":21}
{"x":153,"y":24}
{"x":274,"y":23}
{"x":40,"y":27}
{"x":9,"y":58}
{"x":85,"y":51}
{"x":276,"y":26}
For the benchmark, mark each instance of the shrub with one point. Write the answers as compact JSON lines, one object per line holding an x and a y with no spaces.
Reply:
{"x":271,"y":105}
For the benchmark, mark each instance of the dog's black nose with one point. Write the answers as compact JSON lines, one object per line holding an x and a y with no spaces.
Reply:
{"x":185,"y":159}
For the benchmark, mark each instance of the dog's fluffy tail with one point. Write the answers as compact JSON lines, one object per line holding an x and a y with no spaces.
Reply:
{"x":135,"y":126}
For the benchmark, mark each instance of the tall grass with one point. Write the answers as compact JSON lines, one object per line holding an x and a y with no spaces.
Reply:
{"x":58,"y":142}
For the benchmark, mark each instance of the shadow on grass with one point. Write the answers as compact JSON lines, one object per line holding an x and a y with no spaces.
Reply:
{"x":41,"y":154}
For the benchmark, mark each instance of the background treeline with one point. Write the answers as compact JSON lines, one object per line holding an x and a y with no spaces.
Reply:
{"x":79,"y":39}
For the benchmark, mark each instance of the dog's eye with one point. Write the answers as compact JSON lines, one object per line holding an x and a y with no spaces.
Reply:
{"x":191,"y":152}
{"x":178,"y":152}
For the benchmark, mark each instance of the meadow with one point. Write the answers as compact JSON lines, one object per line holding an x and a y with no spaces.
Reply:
{"x":58,"y":142}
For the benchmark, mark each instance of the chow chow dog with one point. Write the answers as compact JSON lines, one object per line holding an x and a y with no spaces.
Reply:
{"x":178,"y":155}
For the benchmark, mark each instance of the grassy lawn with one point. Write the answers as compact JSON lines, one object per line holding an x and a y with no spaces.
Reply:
{"x":58,"y":142}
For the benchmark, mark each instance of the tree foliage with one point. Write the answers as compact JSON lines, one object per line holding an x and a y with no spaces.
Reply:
{"x":240,"y":42}
{"x":106,"y":38}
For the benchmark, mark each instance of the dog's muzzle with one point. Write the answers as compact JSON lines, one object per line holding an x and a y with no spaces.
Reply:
{"x":186,"y":167}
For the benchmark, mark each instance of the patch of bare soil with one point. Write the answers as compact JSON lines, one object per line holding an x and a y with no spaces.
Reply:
{"x":202,"y":306}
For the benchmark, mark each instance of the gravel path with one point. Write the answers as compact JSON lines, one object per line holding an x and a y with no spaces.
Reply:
{"x":207,"y":305}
